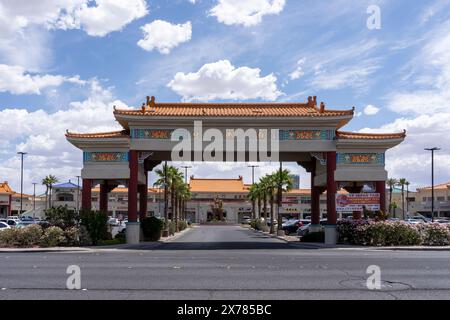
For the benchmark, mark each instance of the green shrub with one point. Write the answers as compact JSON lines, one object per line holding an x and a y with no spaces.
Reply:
{"x":318,"y":236}
{"x":95,"y":224}
{"x":53,"y":236}
{"x":72,"y":236}
{"x":182,"y":225}
{"x":121,"y":237}
{"x":151,"y":228}
{"x":9,"y":238}
{"x":29,"y":236}
{"x":62,"y":217}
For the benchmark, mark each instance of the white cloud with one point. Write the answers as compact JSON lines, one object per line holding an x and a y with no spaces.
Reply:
{"x":247,"y":13}
{"x":298,"y":72}
{"x":41,"y":134}
{"x":96,"y":17}
{"x":15,"y":80}
{"x":164,"y":36}
{"x":371,"y":110}
{"x":107,"y":16}
{"x":425,"y":113}
{"x":348,"y":76}
{"x":221,"y":80}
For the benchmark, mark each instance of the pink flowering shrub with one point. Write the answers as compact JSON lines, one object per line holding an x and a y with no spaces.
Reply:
{"x":378,"y":233}
{"x":435,"y":234}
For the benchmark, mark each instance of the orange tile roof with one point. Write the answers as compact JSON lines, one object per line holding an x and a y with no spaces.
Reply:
{"x":256,"y":109}
{"x":370,"y":136}
{"x":113,"y":134}
{"x":5,"y":188}
{"x":217,"y":185}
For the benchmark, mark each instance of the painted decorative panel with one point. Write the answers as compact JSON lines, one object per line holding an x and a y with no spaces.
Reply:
{"x":360,"y":158}
{"x":105,"y":156}
{"x":163,"y":134}
{"x":307,"y":134}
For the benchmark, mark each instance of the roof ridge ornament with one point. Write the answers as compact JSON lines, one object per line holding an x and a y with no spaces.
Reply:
{"x":322,"y":107}
{"x":151,"y":103}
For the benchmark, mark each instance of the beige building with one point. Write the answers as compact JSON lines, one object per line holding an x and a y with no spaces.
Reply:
{"x":441,"y":200}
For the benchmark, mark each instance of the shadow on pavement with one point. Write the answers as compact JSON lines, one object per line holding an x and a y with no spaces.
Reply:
{"x":217,"y":246}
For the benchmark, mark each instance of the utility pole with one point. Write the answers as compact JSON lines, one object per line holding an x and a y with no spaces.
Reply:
{"x":21,"y":180}
{"x":253,"y":172}
{"x":432,"y":179}
{"x":78,"y":194}
{"x":34,"y":200}
{"x":280,"y":194}
{"x":185,"y":172}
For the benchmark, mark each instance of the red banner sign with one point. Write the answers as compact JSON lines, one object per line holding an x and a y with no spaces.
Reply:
{"x":357,"y":201}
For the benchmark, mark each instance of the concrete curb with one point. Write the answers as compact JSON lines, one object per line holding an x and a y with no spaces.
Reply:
{"x":40,"y":250}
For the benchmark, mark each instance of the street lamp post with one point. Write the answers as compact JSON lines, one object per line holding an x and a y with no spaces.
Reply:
{"x":34,"y":200}
{"x":280,"y":200}
{"x":253,"y":172}
{"x":185,"y":172}
{"x":432,"y":179}
{"x":78,"y":194}
{"x":21,"y":180}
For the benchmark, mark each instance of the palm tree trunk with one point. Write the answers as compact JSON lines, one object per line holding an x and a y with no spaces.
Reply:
{"x":272,"y":229}
{"x":259,"y":207}
{"x":390,"y":201}
{"x":403,"y":202}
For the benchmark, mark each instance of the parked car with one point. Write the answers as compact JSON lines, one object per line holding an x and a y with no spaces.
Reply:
{"x":414,"y":221}
{"x":26,"y":218}
{"x":305,"y":228}
{"x":291,"y":226}
{"x":11,"y":222}
{"x":24,"y":224}
{"x":269,"y":223}
{"x":442,"y":221}
{"x":4,"y":226}
{"x":419,"y":218}
{"x":113,"y":221}
{"x":246,"y":220}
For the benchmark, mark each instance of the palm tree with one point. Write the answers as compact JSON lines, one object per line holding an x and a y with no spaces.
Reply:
{"x":253,"y":195}
{"x":402,"y":182}
{"x":48,"y":182}
{"x":391,"y":182}
{"x":162,"y":181}
{"x":284,"y":181}
{"x":407,"y":196}
{"x":263,"y":186}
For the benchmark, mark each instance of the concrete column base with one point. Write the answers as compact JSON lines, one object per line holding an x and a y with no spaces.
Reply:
{"x":331,"y":235}
{"x":133,"y":232}
{"x":315,"y":228}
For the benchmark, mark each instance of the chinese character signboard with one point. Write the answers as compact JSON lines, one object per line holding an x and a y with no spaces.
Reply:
{"x":357,"y":201}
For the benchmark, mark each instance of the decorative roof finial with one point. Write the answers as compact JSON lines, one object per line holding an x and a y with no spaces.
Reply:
{"x":143,"y":108}
{"x":315,"y":100}
{"x":322,"y":107}
{"x":310,"y":101}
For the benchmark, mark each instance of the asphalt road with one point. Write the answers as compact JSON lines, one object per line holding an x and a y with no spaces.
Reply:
{"x":226,"y":262}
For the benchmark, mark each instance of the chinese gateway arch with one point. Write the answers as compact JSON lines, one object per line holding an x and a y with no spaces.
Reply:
{"x":309,"y":134}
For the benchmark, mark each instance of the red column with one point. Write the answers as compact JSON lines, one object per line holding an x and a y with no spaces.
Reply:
{"x":10,"y":205}
{"x":86,"y":195}
{"x":331,"y":188}
{"x":315,"y":197}
{"x":143,"y":193}
{"x":104,"y":196}
{"x":133,"y":186}
{"x":380,"y":187}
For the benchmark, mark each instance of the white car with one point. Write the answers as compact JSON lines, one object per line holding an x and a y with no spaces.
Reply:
{"x":11,"y":222}
{"x":4,"y":226}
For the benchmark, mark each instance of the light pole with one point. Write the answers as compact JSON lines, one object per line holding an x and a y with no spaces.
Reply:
{"x":78,"y":194}
{"x":34,"y":200}
{"x":21,"y":179}
{"x":185,"y":172}
{"x":432,"y":179}
{"x":253,"y":172}
{"x":280,"y":194}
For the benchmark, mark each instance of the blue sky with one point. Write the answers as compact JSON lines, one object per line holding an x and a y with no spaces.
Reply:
{"x":64,"y":64}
